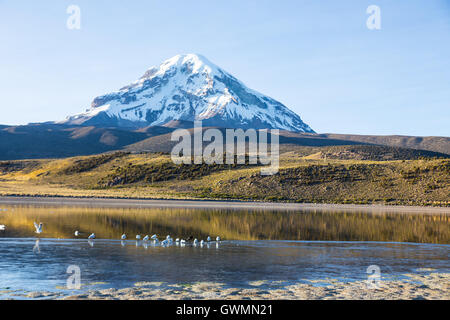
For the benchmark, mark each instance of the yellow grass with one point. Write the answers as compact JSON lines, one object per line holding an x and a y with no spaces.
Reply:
{"x":415,"y":182}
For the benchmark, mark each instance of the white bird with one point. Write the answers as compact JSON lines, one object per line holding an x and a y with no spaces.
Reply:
{"x":182,"y":241}
{"x":164,"y":242}
{"x":77,"y":233}
{"x":92,"y":236}
{"x":38,"y":227}
{"x":146,"y":238}
{"x":154,"y":237}
{"x":208,"y":239}
{"x":218,"y":239}
{"x":177,"y":240}
{"x":2,"y":227}
{"x":202,"y":243}
{"x":138,"y":237}
{"x":123,"y":237}
{"x":195,"y":241}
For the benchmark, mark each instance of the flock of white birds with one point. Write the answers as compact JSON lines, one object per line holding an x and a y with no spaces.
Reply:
{"x":154,"y":238}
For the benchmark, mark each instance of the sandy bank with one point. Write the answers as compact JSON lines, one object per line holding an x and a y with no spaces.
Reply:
{"x":435,"y":286}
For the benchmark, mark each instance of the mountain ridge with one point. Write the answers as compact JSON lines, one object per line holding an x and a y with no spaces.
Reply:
{"x":56,"y":141}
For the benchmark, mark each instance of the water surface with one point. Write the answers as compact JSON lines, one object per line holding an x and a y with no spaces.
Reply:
{"x":41,"y":265}
{"x":285,"y":247}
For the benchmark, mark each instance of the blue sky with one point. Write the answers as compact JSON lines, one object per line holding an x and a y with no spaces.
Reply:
{"x":316,"y":57}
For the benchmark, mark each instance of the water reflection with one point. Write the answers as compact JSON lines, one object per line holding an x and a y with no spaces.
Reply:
{"x":36,"y":247}
{"x":107,"y":223}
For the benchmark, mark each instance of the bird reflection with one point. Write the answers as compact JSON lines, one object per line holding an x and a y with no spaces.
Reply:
{"x":122,"y":243}
{"x":91,"y":242}
{"x":36,"y":247}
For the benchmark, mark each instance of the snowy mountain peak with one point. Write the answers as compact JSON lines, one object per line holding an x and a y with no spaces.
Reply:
{"x":189,"y":87}
{"x":195,"y":62}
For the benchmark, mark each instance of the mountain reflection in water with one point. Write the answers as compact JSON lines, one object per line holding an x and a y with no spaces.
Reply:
{"x":111,"y":223}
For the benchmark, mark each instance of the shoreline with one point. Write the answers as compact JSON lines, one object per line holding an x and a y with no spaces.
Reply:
{"x":431,"y":286}
{"x":213,"y":204}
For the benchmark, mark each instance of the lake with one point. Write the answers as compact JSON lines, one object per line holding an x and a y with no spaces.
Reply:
{"x":273,"y":246}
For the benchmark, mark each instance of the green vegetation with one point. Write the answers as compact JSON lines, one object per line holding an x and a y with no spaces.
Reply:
{"x":412,"y":182}
{"x":90,"y":163}
{"x":12,"y":166}
{"x":377,"y":153}
{"x":162,"y":171}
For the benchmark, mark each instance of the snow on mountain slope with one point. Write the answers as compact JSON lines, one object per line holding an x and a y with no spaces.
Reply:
{"x":189,"y":87}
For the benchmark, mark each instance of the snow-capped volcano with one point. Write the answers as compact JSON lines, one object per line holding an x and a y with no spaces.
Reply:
{"x":189,"y":87}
